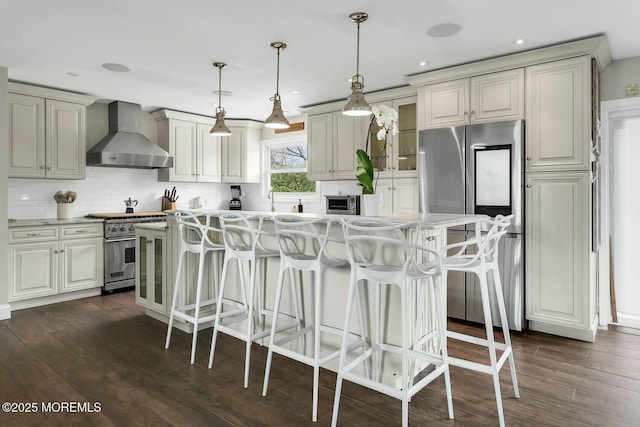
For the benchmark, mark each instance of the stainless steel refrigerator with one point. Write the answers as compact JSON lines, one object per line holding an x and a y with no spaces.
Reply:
{"x":478,"y":169}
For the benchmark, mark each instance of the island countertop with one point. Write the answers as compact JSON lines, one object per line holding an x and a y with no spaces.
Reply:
{"x":428,"y":221}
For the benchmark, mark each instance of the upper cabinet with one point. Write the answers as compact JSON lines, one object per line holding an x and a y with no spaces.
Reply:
{"x":199,"y":156}
{"x":399,"y":159}
{"x":47,"y":133}
{"x":559,"y":103}
{"x":332,"y":140}
{"x":480,"y":99}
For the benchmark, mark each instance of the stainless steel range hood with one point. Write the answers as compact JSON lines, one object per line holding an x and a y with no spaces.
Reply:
{"x":125,"y":146}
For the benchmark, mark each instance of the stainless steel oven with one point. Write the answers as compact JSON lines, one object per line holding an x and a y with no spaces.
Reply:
{"x":120,"y":247}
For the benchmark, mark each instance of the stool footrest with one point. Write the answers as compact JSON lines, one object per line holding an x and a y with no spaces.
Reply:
{"x":475,"y":340}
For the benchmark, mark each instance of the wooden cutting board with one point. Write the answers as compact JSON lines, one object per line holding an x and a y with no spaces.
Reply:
{"x":124,"y":215}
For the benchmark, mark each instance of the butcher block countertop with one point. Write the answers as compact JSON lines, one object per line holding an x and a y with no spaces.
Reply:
{"x":126,"y":215}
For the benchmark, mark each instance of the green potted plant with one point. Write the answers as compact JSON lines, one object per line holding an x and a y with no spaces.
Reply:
{"x":387,"y":120}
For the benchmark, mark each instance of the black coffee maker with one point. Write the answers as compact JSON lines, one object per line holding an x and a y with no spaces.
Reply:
{"x":235,"y":204}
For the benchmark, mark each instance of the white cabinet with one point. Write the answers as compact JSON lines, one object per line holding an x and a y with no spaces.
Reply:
{"x":560,"y":297}
{"x":199,"y":156}
{"x":47,"y":133}
{"x":558,"y":115}
{"x":50,"y":260}
{"x":398,"y":195}
{"x":480,"y":99}
{"x":151,"y":270}
{"x":400,"y":158}
{"x":241,"y":153}
{"x":332,"y":141}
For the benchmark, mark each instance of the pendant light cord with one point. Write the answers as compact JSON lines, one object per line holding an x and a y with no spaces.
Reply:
{"x":219,"y":88}
{"x":358,"y":53}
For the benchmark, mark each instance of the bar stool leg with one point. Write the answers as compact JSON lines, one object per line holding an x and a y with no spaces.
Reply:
{"x":251,"y":295}
{"x":223,"y":280}
{"x":317,"y":320}
{"x":201,"y":261}
{"x":276,"y":310}
{"x":174,"y":301}
{"x":442,"y":332}
{"x":343,"y":353}
{"x":505,"y":329}
{"x":405,"y":356}
{"x":486,"y":309}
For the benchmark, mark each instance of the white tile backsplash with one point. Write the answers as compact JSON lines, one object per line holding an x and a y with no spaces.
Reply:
{"x":105,"y":189}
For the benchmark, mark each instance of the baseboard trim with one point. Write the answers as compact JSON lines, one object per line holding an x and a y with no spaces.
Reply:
{"x":565,"y":331}
{"x":5,"y":312}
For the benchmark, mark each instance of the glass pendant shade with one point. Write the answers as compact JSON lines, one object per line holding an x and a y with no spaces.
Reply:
{"x":277,"y":120}
{"x":357,"y":105}
{"x":220,"y":128}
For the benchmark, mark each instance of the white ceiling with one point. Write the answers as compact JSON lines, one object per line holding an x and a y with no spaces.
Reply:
{"x":170,"y":46}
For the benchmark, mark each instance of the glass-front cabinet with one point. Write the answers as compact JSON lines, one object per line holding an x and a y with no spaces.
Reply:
{"x":151,"y":290}
{"x":397,"y":155}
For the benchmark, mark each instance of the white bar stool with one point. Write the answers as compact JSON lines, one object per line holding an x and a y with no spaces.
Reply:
{"x":479,"y":255}
{"x":194,"y":238}
{"x":383,"y":253}
{"x":242,"y":237}
{"x":303,"y":247}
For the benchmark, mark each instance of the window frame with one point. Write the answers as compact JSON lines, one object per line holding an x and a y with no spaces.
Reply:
{"x":269,"y":144}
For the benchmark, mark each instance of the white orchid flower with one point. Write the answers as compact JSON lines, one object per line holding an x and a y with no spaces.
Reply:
{"x":382,"y":133}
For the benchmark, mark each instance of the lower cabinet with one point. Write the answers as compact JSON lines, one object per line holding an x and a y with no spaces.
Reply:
{"x":151,"y":270}
{"x":560,"y":289}
{"x":54,"y":260}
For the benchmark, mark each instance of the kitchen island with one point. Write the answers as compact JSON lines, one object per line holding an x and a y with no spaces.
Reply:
{"x":157,"y":251}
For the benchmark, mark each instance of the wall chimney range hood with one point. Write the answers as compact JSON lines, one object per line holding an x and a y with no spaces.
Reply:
{"x":125,"y":146}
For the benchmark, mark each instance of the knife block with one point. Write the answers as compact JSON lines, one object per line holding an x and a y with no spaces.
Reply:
{"x":167,"y":205}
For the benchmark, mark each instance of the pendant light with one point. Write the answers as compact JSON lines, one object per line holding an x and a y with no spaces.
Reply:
{"x":219,"y":128}
{"x":277,"y":120}
{"x":357,"y":105}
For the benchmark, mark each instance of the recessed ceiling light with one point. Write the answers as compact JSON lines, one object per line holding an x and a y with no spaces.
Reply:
{"x":519,"y":41}
{"x":223,"y":92}
{"x":422,"y":63}
{"x":444,"y":30}
{"x":295,"y":92}
{"x":118,"y":68}
{"x":70,"y":74}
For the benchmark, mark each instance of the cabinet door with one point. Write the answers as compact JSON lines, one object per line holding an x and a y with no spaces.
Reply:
{"x":151,"y":270}
{"x":208,"y":159}
{"x":497,"y":96}
{"x":319,"y":147}
{"x":82,"y":264}
{"x":405,"y":195}
{"x":182,"y":145}
{"x":33,"y":270}
{"x":26,"y":136}
{"x":66,"y":140}
{"x":558,"y":105}
{"x":446,"y":104}
{"x":385,"y":189}
{"x":405,"y":144}
{"x":557,"y":252}
{"x":347,"y":138}
{"x":234,"y":155}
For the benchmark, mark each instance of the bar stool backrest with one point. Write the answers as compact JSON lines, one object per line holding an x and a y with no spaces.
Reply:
{"x":378,"y":244}
{"x":241,"y":232}
{"x":193,"y":233}
{"x":302,"y":238}
{"x":483,"y":247}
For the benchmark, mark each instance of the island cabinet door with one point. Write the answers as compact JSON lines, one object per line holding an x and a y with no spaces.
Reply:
{"x":557,"y":254}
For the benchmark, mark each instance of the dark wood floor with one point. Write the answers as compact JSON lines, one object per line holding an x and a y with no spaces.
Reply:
{"x":105,"y":350}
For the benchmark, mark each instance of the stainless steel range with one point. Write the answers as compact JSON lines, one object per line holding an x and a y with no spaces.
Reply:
{"x":120,"y":246}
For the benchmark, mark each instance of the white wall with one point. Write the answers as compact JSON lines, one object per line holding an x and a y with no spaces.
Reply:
{"x":617,"y":75}
{"x":5,"y":311}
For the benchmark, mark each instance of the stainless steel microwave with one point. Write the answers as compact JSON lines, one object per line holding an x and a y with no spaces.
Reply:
{"x":343,"y":204}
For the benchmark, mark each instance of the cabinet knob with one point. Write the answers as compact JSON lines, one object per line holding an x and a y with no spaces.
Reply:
{"x":41,"y":167}
{"x":528,"y":185}
{"x":473,"y":111}
{"x":55,"y":252}
{"x":48,"y":168}
{"x":466,"y":113}
{"x":528,"y":158}
{"x":61,"y":250}
{"x":149,"y":242}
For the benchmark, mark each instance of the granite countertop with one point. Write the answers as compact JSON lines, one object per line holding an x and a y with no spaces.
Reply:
{"x":51,"y":221}
{"x":428,"y":221}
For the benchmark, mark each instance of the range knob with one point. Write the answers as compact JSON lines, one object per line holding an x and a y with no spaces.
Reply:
{"x":131,"y":227}
{"x":122,"y":227}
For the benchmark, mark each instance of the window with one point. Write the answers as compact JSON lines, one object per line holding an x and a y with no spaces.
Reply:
{"x":286,"y":167}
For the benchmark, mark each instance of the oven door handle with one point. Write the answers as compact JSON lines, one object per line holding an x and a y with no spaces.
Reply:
{"x":128,"y":239}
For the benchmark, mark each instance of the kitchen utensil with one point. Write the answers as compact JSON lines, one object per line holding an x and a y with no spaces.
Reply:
{"x":171,"y":195}
{"x":130,"y":204}
{"x":70,"y":196}
{"x":59,"y":197}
